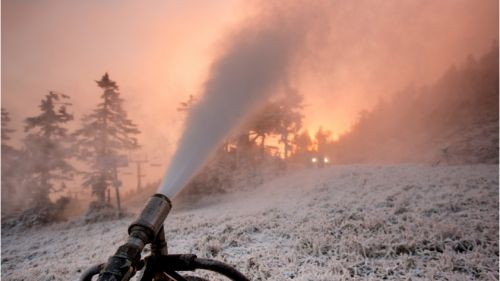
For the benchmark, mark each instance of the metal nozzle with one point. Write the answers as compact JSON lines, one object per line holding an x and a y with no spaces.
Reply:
{"x":152,"y":217}
{"x":144,"y":230}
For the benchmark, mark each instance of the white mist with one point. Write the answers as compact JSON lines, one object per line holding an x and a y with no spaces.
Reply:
{"x":254,"y":60}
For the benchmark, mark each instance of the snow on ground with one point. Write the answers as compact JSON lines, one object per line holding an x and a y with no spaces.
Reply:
{"x":336,"y":223}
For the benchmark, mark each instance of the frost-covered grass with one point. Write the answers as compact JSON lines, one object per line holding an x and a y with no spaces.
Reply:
{"x":337,"y":223}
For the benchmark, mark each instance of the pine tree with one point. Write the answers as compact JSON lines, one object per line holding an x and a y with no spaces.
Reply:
{"x":9,"y":160}
{"x":322,"y":138}
{"x":5,"y":127}
{"x":105,"y":133}
{"x":303,"y":143}
{"x":265,"y":123}
{"x":290,"y":116}
{"x":47,"y":147}
{"x":282,"y":117}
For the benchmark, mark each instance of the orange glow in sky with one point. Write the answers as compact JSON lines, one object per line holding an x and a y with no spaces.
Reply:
{"x":159,"y":54}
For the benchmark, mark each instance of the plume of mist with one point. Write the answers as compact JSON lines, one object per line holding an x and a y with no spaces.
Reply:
{"x":254,"y":60}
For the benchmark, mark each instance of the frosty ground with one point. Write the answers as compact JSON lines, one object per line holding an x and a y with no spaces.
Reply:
{"x":337,"y":223}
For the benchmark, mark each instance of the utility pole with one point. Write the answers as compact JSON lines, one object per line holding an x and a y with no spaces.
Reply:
{"x":139,"y":175}
{"x":117,"y":184}
{"x":113,"y":163}
{"x":138,"y":161}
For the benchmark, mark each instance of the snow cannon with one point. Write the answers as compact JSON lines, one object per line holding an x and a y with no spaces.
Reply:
{"x":127,"y":259}
{"x":159,"y":265}
{"x":150,"y":221}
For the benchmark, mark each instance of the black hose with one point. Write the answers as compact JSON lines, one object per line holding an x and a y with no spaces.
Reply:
{"x":90,"y":272}
{"x":221,"y":268}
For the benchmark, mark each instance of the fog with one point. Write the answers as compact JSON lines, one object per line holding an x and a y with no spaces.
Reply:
{"x":254,"y":61}
{"x":343,"y":56}
{"x":290,"y":128}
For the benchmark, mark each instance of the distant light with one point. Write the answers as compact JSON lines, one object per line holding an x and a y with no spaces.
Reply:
{"x":314,"y":159}
{"x":325,"y":160}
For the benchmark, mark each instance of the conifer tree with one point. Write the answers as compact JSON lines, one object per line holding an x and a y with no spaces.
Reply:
{"x":105,"y":133}
{"x":5,"y":126}
{"x":9,"y":158}
{"x":322,"y":138}
{"x":290,"y":116}
{"x":48,"y":147}
{"x":302,"y":142}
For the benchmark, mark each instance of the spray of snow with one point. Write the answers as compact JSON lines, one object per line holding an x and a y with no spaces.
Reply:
{"x":255,"y":59}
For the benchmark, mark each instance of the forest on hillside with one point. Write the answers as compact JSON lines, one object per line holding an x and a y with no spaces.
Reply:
{"x":454,"y":120}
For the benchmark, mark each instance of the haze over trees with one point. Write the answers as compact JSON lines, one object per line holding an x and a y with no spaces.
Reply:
{"x":280,"y":118}
{"x":257,"y":151}
{"x":44,"y":164}
{"x":48,"y":148}
{"x":303,"y":145}
{"x":454,"y":120}
{"x":41,"y":167}
{"x":10,"y":157}
{"x":106,"y":133}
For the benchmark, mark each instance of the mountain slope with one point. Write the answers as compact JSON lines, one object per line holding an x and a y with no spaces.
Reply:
{"x":454,"y":120}
{"x":337,"y":223}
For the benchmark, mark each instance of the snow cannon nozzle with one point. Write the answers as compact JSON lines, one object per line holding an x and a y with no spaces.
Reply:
{"x":146,"y":229}
{"x":159,"y":265}
{"x":152,"y":217}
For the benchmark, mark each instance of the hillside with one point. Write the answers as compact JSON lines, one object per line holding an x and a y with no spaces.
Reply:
{"x":338,"y":223}
{"x":455,"y":120}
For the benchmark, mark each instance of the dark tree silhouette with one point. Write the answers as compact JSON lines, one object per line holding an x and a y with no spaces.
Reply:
{"x":282,"y":117}
{"x":105,"y":133}
{"x":322,"y":138}
{"x":47,"y":147}
{"x":5,"y":127}
{"x":290,"y":116}
{"x":10,"y":157}
{"x":456,"y":117}
{"x":265,"y":123}
{"x":303,"y":143}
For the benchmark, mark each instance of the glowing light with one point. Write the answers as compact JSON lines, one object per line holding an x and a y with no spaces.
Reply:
{"x":325,"y":160}
{"x":314,"y":159}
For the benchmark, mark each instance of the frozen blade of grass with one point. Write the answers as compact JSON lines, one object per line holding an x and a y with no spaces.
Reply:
{"x":311,"y":225}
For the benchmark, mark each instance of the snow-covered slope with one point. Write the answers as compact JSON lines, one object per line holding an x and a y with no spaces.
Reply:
{"x":337,"y":223}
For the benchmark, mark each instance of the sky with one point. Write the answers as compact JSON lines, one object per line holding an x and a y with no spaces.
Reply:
{"x":159,"y":53}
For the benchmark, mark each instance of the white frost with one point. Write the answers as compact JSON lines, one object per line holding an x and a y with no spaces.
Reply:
{"x":343,"y":222}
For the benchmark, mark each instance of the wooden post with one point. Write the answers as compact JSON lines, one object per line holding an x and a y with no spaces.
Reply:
{"x":139,"y":176}
{"x":117,"y":185}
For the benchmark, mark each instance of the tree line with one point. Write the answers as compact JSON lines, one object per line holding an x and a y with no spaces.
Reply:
{"x":46,"y":158}
{"x":269,"y":142}
{"x":45,"y":161}
{"x":453,"y":120}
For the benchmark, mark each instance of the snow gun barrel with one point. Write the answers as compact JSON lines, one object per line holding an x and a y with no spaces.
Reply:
{"x":159,"y":265}
{"x":144,"y":230}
